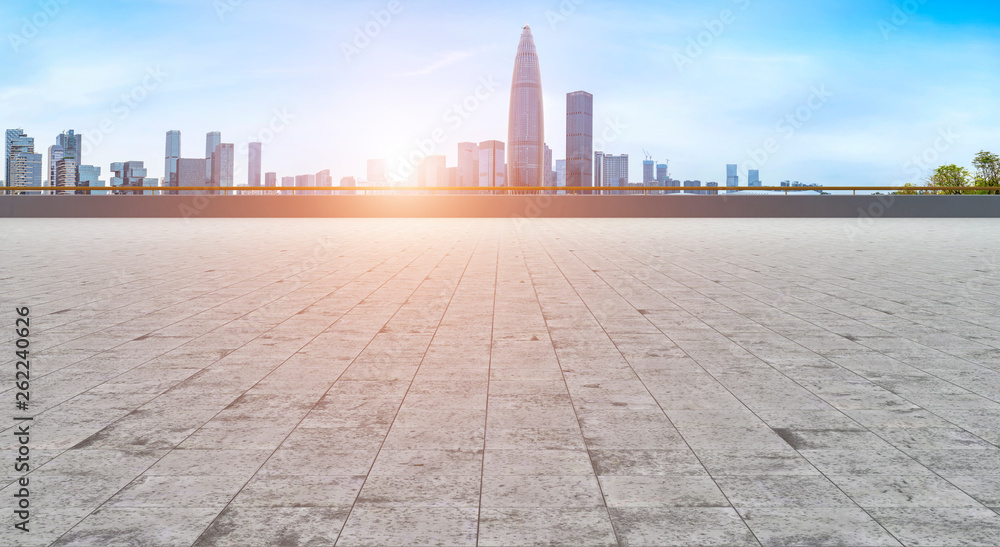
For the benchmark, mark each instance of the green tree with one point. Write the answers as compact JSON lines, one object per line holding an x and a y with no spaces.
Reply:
{"x":987,"y":171}
{"x":951,"y":176}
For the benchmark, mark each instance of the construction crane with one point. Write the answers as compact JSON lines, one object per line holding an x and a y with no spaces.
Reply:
{"x":649,"y":157}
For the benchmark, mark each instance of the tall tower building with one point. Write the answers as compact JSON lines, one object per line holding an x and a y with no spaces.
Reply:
{"x":56,"y":153}
{"x":598,"y":169}
{"x":753,"y":177}
{"x":616,"y":170}
{"x":23,"y":166}
{"x":436,"y":172}
{"x":732,"y":177}
{"x":253,"y":177}
{"x":648,"y":172}
{"x":579,"y":139}
{"x":661,"y":174}
{"x":270,"y":180}
{"x":212,"y":141}
{"x":223,"y":166}
{"x":526,"y":124}
{"x":468,"y":164}
{"x":548,"y":170}
{"x":492,"y":169}
{"x":173,"y":155}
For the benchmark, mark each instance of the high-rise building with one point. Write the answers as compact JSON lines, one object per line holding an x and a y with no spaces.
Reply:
{"x":223,"y":166}
{"x":305,"y":181}
{"x":378,"y":173}
{"x":212,"y":141}
{"x":732,"y":177}
{"x":173,"y":155}
{"x":253,"y":176}
{"x":615,"y":170}
{"x":712,"y":185}
{"x":547,"y":165}
{"x":492,"y":169}
{"x":648,"y":172}
{"x":598,"y":170}
{"x":23,"y":166}
{"x":191,"y":173}
{"x":90,"y":178}
{"x":67,"y":174}
{"x":132,"y":174}
{"x":753,"y":178}
{"x":468,"y":164}
{"x":436,"y":173}
{"x":662,"y":170}
{"x":349,"y":182}
{"x":287,"y":182}
{"x":271,"y":180}
{"x":324,"y":178}
{"x":56,"y":153}
{"x":526,"y":124}
{"x":72,"y":144}
{"x":580,"y":139}
{"x":561,"y":174}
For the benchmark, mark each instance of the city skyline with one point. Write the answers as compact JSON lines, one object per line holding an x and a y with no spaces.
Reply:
{"x":658,"y":99}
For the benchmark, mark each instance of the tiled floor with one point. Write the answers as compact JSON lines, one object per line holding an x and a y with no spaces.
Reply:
{"x":506,"y":382}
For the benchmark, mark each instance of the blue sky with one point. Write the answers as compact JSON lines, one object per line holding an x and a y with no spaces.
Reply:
{"x":877,"y":91}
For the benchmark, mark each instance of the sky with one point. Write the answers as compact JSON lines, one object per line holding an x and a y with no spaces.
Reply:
{"x":834,"y":92}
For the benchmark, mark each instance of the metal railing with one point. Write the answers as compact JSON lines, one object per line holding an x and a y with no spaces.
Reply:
{"x":497,"y":190}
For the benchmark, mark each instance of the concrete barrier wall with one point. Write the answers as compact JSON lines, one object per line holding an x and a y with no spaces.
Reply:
{"x":525,"y":206}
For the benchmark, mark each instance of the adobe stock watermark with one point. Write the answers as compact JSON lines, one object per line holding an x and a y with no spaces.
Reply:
{"x":901,"y":15}
{"x":698,"y":44}
{"x":453,"y":119}
{"x":123,"y":107}
{"x":917,"y":168}
{"x":921,"y":165}
{"x":366,"y":34}
{"x":563,"y":13}
{"x":787,"y":127}
{"x":224,"y":7}
{"x":48,"y":10}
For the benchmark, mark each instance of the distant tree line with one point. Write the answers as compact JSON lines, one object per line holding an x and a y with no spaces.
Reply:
{"x":985,"y":178}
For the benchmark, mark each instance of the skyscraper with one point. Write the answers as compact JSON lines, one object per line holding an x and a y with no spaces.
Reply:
{"x":648,"y":172}
{"x":173,"y":155}
{"x":212,"y":141}
{"x":271,"y":180}
{"x":561,"y":174}
{"x":598,"y":170}
{"x":287,"y":182}
{"x":753,"y":177}
{"x":580,"y":139}
{"x":661,"y":174}
{"x":23,"y":166}
{"x":526,"y":124}
{"x":732,"y":177}
{"x":56,"y":153}
{"x":223,"y":166}
{"x":468,"y":164}
{"x":549,"y":174}
{"x":253,"y":176}
{"x":616,"y":170}
{"x":324,"y":178}
{"x":436,"y":172}
{"x":492,"y":169}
